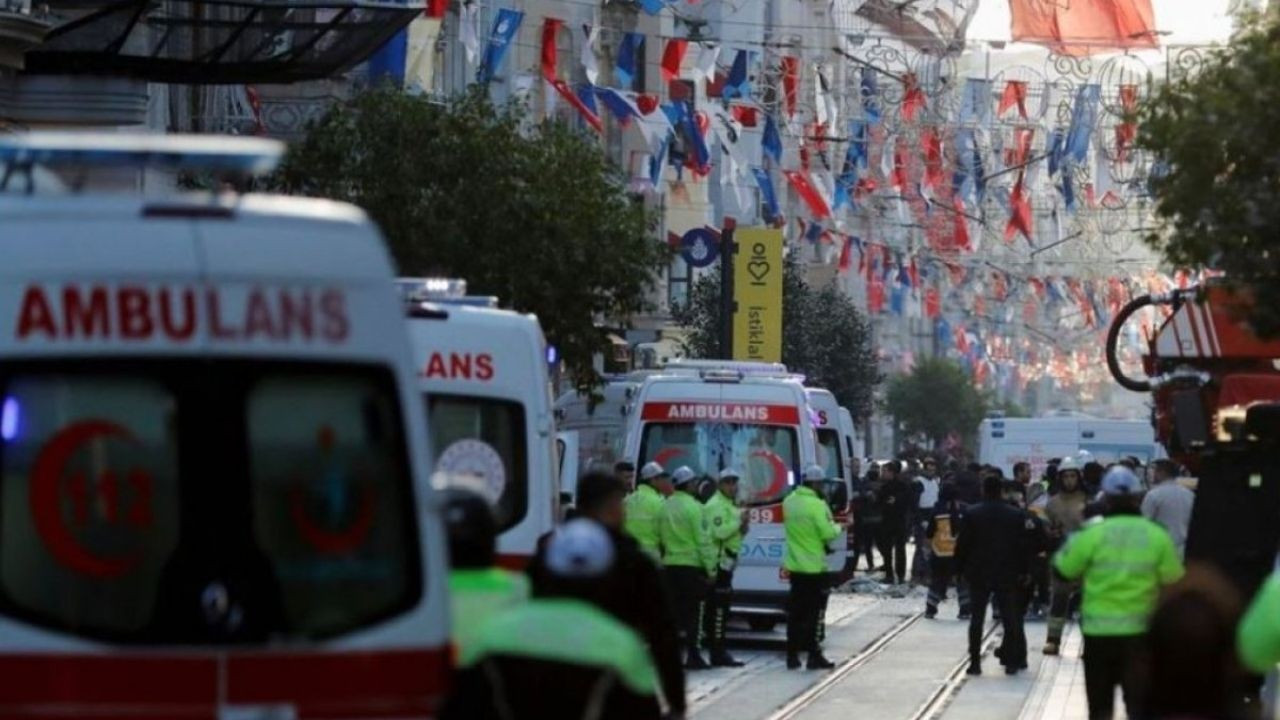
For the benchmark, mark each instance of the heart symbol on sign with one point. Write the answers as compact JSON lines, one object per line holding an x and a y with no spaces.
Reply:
{"x":758,"y":269}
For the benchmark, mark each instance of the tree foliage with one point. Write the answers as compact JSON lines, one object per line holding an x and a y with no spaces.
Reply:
{"x":823,"y":336}
{"x":1214,"y":135}
{"x":534,"y":215}
{"x":936,"y":399}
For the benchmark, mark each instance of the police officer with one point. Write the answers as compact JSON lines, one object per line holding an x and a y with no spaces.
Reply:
{"x":644,"y":508}
{"x":993,"y":552}
{"x":1124,"y":560}
{"x":689,"y":559}
{"x":726,"y":525}
{"x":809,"y":528}
{"x":601,"y":669}
{"x":478,"y":589}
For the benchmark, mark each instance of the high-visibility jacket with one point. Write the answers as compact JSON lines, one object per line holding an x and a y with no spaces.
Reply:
{"x":1124,"y":560}
{"x":809,"y":526}
{"x":1258,"y":636}
{"x":643,"y":510}
{"x":683,"y":531}
{"x":724,"y":524}
{"x":475,"y":597}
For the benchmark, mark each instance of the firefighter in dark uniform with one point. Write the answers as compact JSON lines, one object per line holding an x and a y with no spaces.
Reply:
{"x":726,"y":526}
{"x":993,"y":552}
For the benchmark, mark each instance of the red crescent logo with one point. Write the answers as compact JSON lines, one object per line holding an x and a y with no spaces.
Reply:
{"x":328,"y":542}
{"x":779,"y":472}
{"x":664,"y":456}
{"x":45,"y":501}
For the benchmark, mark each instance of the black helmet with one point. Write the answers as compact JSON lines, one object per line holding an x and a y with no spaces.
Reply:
{"x":472,"y":529}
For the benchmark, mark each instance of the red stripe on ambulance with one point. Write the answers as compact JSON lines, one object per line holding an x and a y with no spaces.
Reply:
{"x":175,"y":314}
{"x":721,"y":412}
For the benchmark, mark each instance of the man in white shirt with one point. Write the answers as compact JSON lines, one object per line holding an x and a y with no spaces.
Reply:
{"x":926,"y":485}
{"x":1169,"y":504}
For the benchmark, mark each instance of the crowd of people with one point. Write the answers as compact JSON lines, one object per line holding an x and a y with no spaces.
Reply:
{"x":622,"y":600}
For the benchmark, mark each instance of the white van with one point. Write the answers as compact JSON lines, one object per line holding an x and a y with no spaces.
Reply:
{"x":852,"y":443}
{"x":484,"y":376}
{"x":833,"y":443}
{"x":1004,"y":442}
{"x":599,"y":417}
{"x":711,"y":415}
{"x":213,"y":495}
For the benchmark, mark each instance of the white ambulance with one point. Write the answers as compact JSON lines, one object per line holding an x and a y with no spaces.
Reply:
{"x":713,"y":415}
{"x":213,"y":495}
{"x":484,"y":378}
{"x":598,"y":418}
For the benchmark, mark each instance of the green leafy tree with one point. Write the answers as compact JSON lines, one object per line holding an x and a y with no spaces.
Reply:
{"x":936,"y":400}
{"x":1217,"y":188}
{"x":534,"y":215}
{"x":823,"y":336}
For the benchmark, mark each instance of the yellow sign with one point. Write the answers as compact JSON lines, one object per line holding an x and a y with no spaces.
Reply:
{"x":757,"y":293}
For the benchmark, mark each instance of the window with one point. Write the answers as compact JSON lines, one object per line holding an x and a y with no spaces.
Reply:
{"x":498,"y":459}
{"x":829,"y":453}
{"x":767,"y":455}
{"x":679,"y":280}
{"x":196,"y":502}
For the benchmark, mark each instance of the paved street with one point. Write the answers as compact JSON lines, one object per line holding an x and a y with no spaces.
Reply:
{"x":916,"y":674}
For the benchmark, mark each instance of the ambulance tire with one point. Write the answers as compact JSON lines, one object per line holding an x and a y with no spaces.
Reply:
{"x":759,"y":623}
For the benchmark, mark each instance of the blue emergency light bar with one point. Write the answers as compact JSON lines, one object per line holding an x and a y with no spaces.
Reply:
{"x":216,"y":153}
{"x":442,"y":291}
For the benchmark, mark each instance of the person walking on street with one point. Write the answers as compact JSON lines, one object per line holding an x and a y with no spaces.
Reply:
{"x":601,"y":667}
{"x":634,"y":589}
{"x":992,"y":552}
{"x":689,"y":558}
{"x":896,"y":504}
{"x":1064,"y":514}
{"x":1124,"y":561}
{"x":809,"y":528}
{"x":940,"y":532}
{"x":866,"y":518}
{"x":644,"y":508}
{"x":927,"y":484}
{"x":478,"y":588}
{"x":727,"y":526}
{"x":1169,"y":504}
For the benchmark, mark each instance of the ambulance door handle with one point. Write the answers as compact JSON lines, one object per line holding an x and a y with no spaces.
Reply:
{"x":544,"y":425}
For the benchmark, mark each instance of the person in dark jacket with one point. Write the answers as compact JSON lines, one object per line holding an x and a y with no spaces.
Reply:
{"x":897,"y":499}
{"x":969,"y":485}
{"x":867,"y":518}
{"x":993,"y":553}
{"x":634,"y":590}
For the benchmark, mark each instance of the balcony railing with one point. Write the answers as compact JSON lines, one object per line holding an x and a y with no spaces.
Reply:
{"x":205,"y":42}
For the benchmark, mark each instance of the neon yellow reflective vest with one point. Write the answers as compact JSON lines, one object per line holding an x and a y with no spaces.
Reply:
{"x":570,"y":631}
{"x":475,"y":597}
{"x":809,"y":527}
{"x":1258,"y":637}
{"x":1124,"y":560}
{"x":683,"y":530}
{"x":643,"y":511}
{"x":724,"y":524}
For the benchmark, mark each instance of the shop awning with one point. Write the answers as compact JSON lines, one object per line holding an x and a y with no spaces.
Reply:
{"x":212,"y":42}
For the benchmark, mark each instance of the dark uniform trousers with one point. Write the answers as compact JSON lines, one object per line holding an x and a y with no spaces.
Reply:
{"x":806,"y":611}
{"x":688,"y":589}
{"x":1006,"y":599}
{"x":716,"y":610}
{"x":1110,"y":661}
{"x":942,"y":574}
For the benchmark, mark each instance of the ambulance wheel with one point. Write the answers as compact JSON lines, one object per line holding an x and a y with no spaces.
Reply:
{"x":762,"y":624}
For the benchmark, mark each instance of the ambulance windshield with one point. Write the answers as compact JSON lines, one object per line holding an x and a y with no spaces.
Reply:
{"x":829,"y":452}
{"x":766,"y":455}
{"x":482,"y":439}
{"x":204,"y":502}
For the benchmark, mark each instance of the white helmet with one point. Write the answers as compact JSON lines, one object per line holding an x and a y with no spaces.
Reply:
{"x":683,"y":475}
{"x":814,"y":473}
{"x":1120,"y":480}
{"x":730,"y":474}
{"x":652,"y":470}
{"x":1069,"y":463}
{"x":580,"y":548}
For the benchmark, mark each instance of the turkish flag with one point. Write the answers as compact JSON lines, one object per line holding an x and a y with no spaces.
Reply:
{"x":1084,"y":27}
{"x":437,"y":8}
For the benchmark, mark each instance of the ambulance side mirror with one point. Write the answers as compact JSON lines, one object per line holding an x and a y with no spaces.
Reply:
{"x":837,"y":495}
